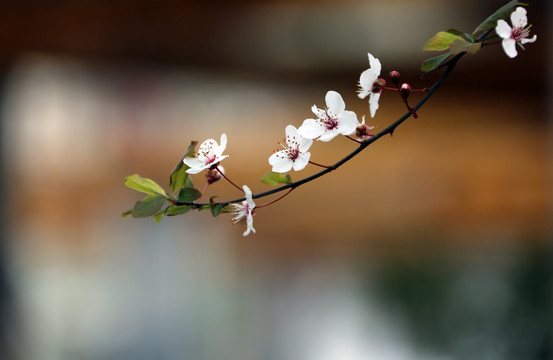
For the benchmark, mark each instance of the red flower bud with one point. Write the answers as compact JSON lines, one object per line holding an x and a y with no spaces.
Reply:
{"x":395,"y":76}
{"x":405,"y":90}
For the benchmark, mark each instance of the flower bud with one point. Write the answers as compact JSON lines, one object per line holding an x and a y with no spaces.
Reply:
{"x":405,"y":90}
{"x":213,"y":175}
{"x":395,"y":76}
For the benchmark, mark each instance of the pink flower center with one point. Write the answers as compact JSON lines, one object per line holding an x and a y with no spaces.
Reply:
{"x":519,"y":33}
{"x":209,"y":159}
{"x":293,"y":148}
{"x":293,"y":154}
{"x":331,"y":122}
{"x":206,"y":152}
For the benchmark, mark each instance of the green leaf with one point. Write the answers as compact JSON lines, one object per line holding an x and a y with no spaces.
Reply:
{"x":433,"y":63}
{"x":204,"y":207}
{"x":441,"y":41}
{"x":179,"y":175}
{"x":188,"y":182}
{"x":274,"y":178}
{"x":144,"y":185}
{"x":469,"y":37}
{"x":158,"y":216}
{"x":455,"y":32}
{"x":459,"y":46}
{"x":126,"y":213}
{"x":502,"y":13}
{"x":149,"y":206}
{"x":216,"y":209}
{"x":188,"y":195}
{"x":177,"y":210}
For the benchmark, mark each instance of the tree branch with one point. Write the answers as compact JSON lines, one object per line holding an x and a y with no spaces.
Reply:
{"x":450,"y":65}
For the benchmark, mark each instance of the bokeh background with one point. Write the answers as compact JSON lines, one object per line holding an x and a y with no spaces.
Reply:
{"x":432,"y":244}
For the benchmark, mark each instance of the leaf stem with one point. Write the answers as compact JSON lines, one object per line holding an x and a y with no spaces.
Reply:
{"x":204,"y":190}
{"x":227,"y":179}
{"x":354,"y":140}
{"x":316,"y":164}
{"x":275,"y":200}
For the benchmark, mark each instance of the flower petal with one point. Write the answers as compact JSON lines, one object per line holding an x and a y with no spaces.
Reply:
{"x":518,"y":17}
{"x":311,"y":129}
{"x":249,"y":197}
{"x":329,"y":135}
{"x":348,"y":123}
{"x":334,"y":102}
{"x":251,"y":206}
{"x":206,"y":146}
{"x":509,"y":47}
{"x":218,"y":150}
{"x":527,"y":40}
{"x":373,"y":103}
{"x":366,"y":81}
{"x":304,"y":144}
{"x":249,"y":228}
{"x":195,"y":165}
{"x":280,"y":162}
{"x":292,"y":135}
{"x":375,"y":64}
{"x":302,"y":161}
{"x":503,"y":29}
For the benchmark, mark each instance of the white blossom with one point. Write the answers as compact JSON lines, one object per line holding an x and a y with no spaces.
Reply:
{"x":331,"y":122}
{"x":209,"y":154}
{"x":518,"y":34}
{"x":245,"y":209}
{"x":294,"y":155}
{"x":368,"y":84}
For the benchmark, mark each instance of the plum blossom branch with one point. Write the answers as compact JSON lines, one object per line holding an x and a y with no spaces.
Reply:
{"x":450,"y":65}
{"x":330,"y":122}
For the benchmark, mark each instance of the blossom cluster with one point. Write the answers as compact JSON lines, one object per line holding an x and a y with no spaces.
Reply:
{"x":326,"y":124}
{"x":329,"y":122}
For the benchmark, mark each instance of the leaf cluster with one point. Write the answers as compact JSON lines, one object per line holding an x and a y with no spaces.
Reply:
{"x":180,"y":201}
{"x":455,"y":41}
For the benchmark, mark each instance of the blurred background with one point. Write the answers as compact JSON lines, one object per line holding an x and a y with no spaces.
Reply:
{"x":432,"y":244}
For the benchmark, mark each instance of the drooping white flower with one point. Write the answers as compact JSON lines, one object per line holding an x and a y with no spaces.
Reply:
{"x":294,"y":155}
{"x":369,"y":84}
{"x":210,"y":153}
{"x":245,"y":209}
{"x":330,"y":122}
{"x":518,"y":34}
